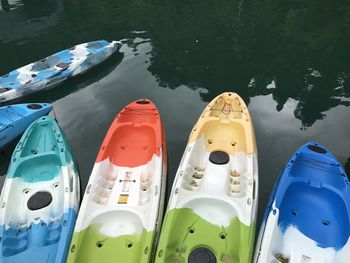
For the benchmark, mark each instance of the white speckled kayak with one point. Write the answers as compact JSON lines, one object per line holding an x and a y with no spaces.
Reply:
{"x":55,"y":69}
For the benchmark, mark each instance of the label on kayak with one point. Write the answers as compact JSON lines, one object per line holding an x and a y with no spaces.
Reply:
{"x":123,"y":199}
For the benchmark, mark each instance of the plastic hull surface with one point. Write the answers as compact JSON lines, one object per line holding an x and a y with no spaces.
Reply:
{"x":40,"y":197}
{"x":123,"y":203}
{"x":55,"y":69}
{"x":212,"y":208}
{"x":307,"y":218}
{"x":14,"y":119}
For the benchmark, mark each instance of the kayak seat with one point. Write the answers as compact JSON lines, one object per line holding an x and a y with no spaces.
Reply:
{"x":117,"y":223}
{"x":216,"y":211}
{"x":39,"y":168}
{"x":224,"y":136}
{"x":326,"y":223}
{"x":128,"y":140}
{"x":110,"y":232}
{"x":16,"y":240}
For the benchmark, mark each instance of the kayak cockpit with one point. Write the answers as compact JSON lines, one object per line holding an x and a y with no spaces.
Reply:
{"x":111,"y":233}
{"x":302,"y":234}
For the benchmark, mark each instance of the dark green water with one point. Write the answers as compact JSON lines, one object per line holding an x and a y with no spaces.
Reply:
{"x":289,"y":60}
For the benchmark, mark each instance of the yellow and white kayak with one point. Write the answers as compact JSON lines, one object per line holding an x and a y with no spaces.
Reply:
{"x":212,"y":209}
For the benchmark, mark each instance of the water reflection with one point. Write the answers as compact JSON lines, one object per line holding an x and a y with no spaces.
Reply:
{"x":290,"y":60}
{"x":25,"y":18}
{"x":238,"y":45}
{"x":244,"y":46}
{"x":5,"y":5}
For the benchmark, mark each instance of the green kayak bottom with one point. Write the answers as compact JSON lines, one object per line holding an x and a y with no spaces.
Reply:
{"x":90,"y":245}
{"x":186,"y":237}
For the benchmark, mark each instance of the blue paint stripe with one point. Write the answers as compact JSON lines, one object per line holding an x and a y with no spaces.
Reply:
{"x":40,"y":242}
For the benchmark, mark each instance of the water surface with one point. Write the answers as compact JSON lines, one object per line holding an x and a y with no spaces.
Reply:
{"x":289,"y":60}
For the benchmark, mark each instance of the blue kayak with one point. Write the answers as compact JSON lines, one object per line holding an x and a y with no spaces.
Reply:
{"x":55,"y":69}
{"x":40,"y":197}
{"x":14,"y":119}
{"x":308,"y":214}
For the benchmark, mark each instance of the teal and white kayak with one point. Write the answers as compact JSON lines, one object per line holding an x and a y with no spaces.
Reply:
{"x":14,"y":119}
{"x":40,"y":197}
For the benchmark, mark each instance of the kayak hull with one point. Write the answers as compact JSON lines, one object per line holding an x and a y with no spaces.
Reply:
{"x":14,"y":119}
{"x":40,"y":197}
{"x":55,"y":69}
{"x":212,"y":207}
{"x":308,"y":214}
{"x":123,"y":203}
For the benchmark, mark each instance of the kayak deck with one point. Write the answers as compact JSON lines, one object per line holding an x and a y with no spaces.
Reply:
{"x":40,"y":197}
{"x":211,"y":212}
{"x":309,"y":217}
{"x":123,"y":199}
{"x":55,"y":69}
{"x":128,"y":240}
{"x":14,"y":119}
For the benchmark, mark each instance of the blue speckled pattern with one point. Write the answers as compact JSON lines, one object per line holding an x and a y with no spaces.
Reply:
{"x":55,"y":69}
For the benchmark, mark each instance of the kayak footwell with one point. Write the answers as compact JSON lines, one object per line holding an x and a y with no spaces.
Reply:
{"x":187,"y":230}
{"x":96,"y":247}
{"x":39,"y":242}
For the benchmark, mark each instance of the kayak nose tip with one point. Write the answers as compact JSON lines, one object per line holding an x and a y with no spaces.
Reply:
{"x":143,"y":101}
{"x":316,"y":147}
{"x":116,"y":43}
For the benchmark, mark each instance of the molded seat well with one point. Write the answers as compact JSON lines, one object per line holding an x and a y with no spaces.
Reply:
{"x":131,"y":146}
{"x":318,"y":213}
{"x":111,"y":234}
{"x":229,"y":137}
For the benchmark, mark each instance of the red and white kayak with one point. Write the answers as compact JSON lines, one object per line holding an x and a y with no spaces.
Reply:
{"x":123,"y":203}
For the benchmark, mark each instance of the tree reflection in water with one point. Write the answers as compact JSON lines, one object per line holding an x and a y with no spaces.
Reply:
{"x":292,"y":49}
{"x":301,"y":47}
